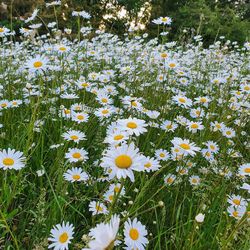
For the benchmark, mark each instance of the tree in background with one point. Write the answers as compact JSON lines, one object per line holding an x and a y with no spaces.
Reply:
{"x":209,"y":18}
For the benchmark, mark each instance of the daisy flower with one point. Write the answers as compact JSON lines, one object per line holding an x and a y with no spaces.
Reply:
{"x":97,"y":208}
{"x":116,"y":188}
{"x":217,"y":126}
{"x":123,"y":160}
{"x":236,"y":212}
{"x":76,"y":155}
{"x":162,"y":154}
{"x":116,"y":137}
{"x":11,"y":159}
{"x":75,"y":174}
{"x":4,"y":104}
{"x":61,"y":236}
{"x":194,"y":180}
{"x":104,"y":235}
{"x":74,"y":135}
{"x":169,"y":126}
{"x":197,"y":113}
{"x":244,"y":169}
{"x":151,"y":164}
{"x":237,"y":200}
{"x":104,"y":99}
{"x":212,"y":146}
{"x":37,"y":64}
{"x":182,"y":101}
{"x":135,"y":234}
{"x":133,"y":125}
{"x":228,"y":132}
{"x":204,"y":100}
{"x":104,"y":112}
{"x":194,"y":126}
{"x":80,"y":117}
{"x":186,"y":147}
{"x":169,"y":179}
{"x":62,"y":48}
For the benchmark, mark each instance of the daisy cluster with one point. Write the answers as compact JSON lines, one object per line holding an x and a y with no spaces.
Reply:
{"x":127,"y":122}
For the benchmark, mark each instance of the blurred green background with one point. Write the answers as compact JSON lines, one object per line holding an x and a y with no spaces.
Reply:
{"x":209,"y":18}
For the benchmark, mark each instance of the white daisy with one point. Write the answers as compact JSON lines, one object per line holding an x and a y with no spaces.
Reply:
{"x":75,"y":174}
{"x":97,"y":207}
{"x":123,"y":160}
{"x":37,"y":64}
{"x":61,"y":236}
{"x":135,"y":234}
{"x":133,"y":125}
{"x":80,"y":117}
{"x":11,"y":159}
{"x":104,"y":235}
{"x":76,"y":155}
{"x":74,"y":135}
{"x":244,"y":169}
{"x":185,"y":146}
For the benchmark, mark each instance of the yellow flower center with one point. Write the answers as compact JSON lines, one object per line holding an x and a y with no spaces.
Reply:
{"x":80,"y":117}
{"x":235,"y":213}
{"x":123,"y":161}
{"x":104,"y":100}
{"x":203,"y":99}
{"x":76,"y":155}
{"x":228,"y":132}
{"x":172,"y":65}
{"x":8,"y":161}
{"x":116,"y":189}
{"x":236,"y":202}
{"x":132,"y":125}
{"x":169,"y":126}
{"x":76,"y":177}
{"x":105,"y":111}
{"x":118,"y":137}
{"x":194,"y":126}
{"x":3,"y":105}
{"x":164,"y":19}
{"x":63,"y":237}
{"x":66,"y":111}
{"x":164,"y":55}
{"x":85,"y":84}
{"x":182,"y":171}
{"x":99,"y":208}
{"x":182,"y":100}
{"x":62,"y":49}
{"x":185,"y":146}
{"x":148,"y":165}
{"x":170,"y":180}
{"x":111,"y":197}
{"x":134,"y":104}
{"x":247,"y":170}
{"x":194,"y":181}
{"x":247,"y":88}
{"x":38,"y":64}
{"x":162,"y":155}
{"x":212,"y":147}
{"x":134,"y":234}
{"x":74,"y":137}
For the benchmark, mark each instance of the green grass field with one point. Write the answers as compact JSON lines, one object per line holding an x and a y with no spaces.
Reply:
{"x":137,"y":144}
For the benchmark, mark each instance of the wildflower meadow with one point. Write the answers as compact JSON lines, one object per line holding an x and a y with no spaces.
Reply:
{"x":122,"y":143}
